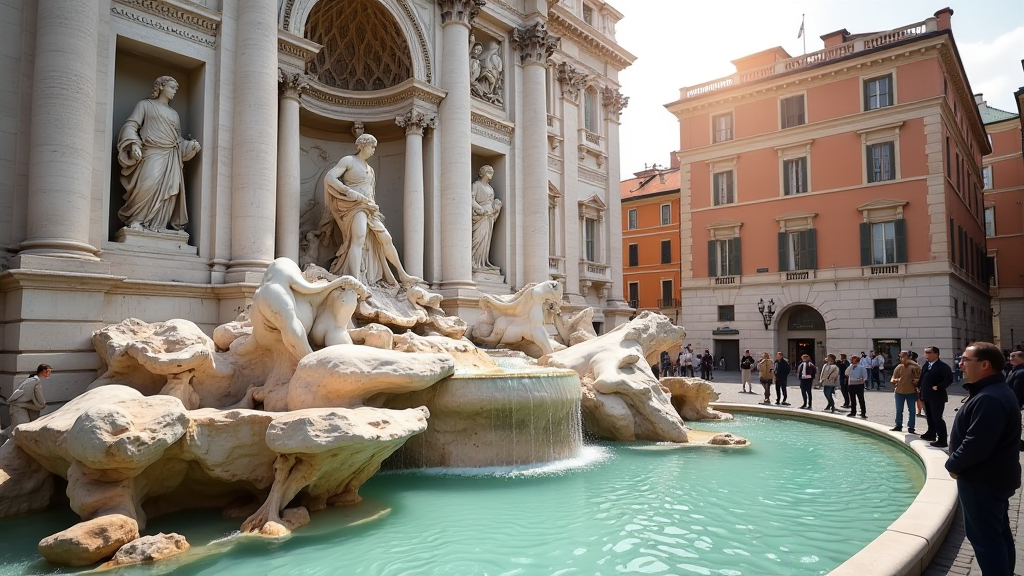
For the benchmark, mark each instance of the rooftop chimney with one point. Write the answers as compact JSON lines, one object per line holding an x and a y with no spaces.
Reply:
{"x":979,"y":99}
{"x":944,"y":16}
{"x":835,"y":38}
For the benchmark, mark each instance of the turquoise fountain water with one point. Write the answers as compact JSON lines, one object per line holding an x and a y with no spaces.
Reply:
{"x":801,"y":500}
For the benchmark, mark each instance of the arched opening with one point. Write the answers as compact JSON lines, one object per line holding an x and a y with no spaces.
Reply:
{"x":364,"y":48}
{"x":802,"y":331}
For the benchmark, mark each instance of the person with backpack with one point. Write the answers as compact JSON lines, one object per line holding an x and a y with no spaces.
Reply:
{"x":764,"y":372}
{"x":27,"y":400}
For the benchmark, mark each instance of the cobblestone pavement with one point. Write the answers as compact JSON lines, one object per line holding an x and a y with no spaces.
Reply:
{"x":956,"y":557}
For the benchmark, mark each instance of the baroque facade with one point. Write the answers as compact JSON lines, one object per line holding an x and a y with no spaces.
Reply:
{"x":864,"y":161}
{"x":268,"y":96}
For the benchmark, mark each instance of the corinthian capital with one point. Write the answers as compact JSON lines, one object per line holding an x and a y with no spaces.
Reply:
{"x":416,"y":122}
{"x":460,"y":11}
{"x":572,"y":80}
{"x":535,"y":43}
{"x":613,"y":101}
{"x":292,"y":85}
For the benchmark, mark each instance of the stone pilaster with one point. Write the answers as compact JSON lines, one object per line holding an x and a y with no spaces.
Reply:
{"x":614,"y":102}
{"x":456,"y":170}
{"x":63,"y":129}
{"x":535,"y":46}
{"x":415,"y":124}
{"x":254,"y":154}
{"x":289,"y":178}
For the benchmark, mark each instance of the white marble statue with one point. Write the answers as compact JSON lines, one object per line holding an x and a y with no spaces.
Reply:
{"x":485,"y":213}
{"x":366,"y":247}
{"x":518,"y":321}
{"x":486,"y":72}
{"x":151,"y":153}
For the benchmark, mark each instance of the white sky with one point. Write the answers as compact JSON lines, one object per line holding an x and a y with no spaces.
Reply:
{"x":685,"y":42}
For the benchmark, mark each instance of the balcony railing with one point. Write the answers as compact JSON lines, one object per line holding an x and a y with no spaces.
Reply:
{"x":555,"y":265}
{"x":886,"y":270}
{"x":812,"y":59}
{"x":725,"y":280}
{"x":634,"y":303}
{"x":670,"y":303}
{"x":595,"y":271}
{"x":798,"y":275}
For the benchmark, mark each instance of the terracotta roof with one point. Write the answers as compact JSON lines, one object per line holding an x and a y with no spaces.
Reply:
{"x":649,"y":185}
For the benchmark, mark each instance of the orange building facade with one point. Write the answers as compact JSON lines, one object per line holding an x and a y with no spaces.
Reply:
{"x":650,"y":241}
{"x":842,"y":190}
{"x":1003,"y":181}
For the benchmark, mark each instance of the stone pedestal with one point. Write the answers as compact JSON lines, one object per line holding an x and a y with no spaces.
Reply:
{"x":168,"y":241}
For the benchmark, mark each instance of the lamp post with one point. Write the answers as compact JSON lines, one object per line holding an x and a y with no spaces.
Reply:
{"x":766,"y":312}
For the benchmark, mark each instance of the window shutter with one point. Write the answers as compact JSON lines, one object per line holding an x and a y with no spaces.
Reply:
{"x":810,"y":250}
{"x":867,"y":95}
{"x":712,"y":259}
{"x":870,"y":164}
{"x":900,"y":231}
{"x":865,"y":244}
{"x":729,"y":197}
{"x":783,"y":260}
{"x":734,"y":258}
{"x":804,"y":184}
{"x":889,"y":173}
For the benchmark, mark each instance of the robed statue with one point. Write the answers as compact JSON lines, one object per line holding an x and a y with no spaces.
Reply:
{"x":485,"y":213}
{"x":152,"y":153}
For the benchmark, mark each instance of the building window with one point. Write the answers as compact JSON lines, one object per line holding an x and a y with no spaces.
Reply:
{"x":634,"y":294}
{"x":885,"y":308}
{"x":949,"y":164}
{"x":666,"y":251}
{"x":634,"y":255}
{"x":631,"y":218}
{"x":667,"y":295}
{"x":792,"y":111}
{"x":798,"y":250}
{"x":990,"y":221}
{"x":722,"y":127}
{"x":724,"y":257}
{"x":881,"y":160}
{"x":986,"y":175}
{"x":723,"y":192}
{"x":956,"y":307}
{"x":727,"y":313}
{"x":990,"y":270}
{"x":666,"y":214}
{"x":794,"y":176}
{"x":588,"y":14}
{"x":878,"y":92}
{"x":590,"y":110}
{"x":590,"y":239}
{"x":883,"y":242}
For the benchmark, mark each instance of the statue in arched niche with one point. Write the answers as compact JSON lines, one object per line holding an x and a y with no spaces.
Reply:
{"x":485,"y":213}
{"x":151,"y":153}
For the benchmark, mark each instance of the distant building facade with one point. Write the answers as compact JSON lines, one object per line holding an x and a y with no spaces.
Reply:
{"x":1003,"y":181}
{"x":842,"y":190}
{"x":650,"y":240}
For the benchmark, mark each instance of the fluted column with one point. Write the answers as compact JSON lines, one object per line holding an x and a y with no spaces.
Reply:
{"x":63,"y":126}
{"x":254,"y":154}
{"x":535,"y":46}
{"x":456,"y":168}
{"x":414,"y":209}
{"x":289,"y":178}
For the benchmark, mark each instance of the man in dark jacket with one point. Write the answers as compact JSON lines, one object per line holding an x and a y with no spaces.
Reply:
{"x":1016,"y":377}
{"x":782,"y":370}
{"x":936,"y":376}
{"x":805,"y":373}
{"x":983,"y":457}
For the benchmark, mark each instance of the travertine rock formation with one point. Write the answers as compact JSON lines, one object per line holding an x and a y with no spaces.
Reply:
{"x":622,"y":400}
{"x":691,"y":396}
{"x":90,"y":541}
{"x":149,"y":549}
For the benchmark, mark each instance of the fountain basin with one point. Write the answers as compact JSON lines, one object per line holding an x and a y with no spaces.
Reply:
{"x":509,"y":418}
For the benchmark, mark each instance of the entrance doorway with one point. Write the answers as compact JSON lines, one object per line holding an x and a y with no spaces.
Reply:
{"x":731,"y":350}
{"x":800,"y":346}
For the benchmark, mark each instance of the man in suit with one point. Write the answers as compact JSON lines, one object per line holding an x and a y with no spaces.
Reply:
{"x":805,"y":372}
{"x":936,"y":376}
{"x":782,"y":370}
{"x":984,"y":460}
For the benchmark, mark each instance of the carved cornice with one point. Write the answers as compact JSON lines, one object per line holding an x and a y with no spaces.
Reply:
{"x":534,"y":43}
{"x":460,"y":11}
{"x":416,"y":122}
{"x":572,"y":80}
{"x":291,"y":85}
{"x":299,"y":51}
{"x":575,"y":31}
{"x":407,"y":90}
{"x":492,"y":128}
{"x":613,"y":100}
{"x":186,"y":13}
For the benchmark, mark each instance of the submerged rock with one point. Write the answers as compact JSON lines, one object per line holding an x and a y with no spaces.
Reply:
{"x":89,"y":542}
{"x":149,"y":549}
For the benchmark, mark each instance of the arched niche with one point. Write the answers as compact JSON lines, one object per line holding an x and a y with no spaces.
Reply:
{"x":295,"y":15}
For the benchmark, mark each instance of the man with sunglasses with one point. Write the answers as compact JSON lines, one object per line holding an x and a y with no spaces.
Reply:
{"x":983,"y":458}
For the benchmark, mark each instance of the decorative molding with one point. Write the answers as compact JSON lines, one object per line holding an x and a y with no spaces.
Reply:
{"x":298,"y":50}
{"x":572,"y":80}
{"x":416,"y":122}
{"x":534,"y":43}
{"x":460,"y":11}
{"x":371,"y":99}
{"x":199,"y":38}
{"x":613,"y":100}
{"x":291,"y":85}
{"x":187,"y":13}
{"x":556,"y":164}
{"x":593,"y":176}
{"x":574,"y":30}
{"x":503,"y":130}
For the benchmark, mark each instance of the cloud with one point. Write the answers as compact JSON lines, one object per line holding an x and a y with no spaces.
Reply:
{"x":994,"y":67}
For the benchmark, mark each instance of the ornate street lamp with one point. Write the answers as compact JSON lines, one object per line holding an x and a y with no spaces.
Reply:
{"x":766,"y":313}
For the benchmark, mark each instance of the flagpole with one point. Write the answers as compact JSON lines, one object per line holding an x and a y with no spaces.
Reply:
{"x":802,"y":22}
